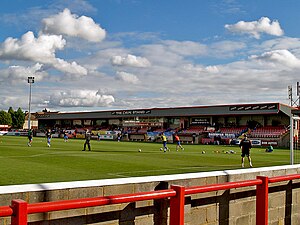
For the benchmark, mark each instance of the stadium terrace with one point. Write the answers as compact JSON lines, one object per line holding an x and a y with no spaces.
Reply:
{"x":264,"y":123}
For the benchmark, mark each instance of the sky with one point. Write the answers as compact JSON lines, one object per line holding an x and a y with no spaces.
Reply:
{"x":91,"y":55}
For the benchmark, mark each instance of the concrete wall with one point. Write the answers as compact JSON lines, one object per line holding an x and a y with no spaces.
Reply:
{"x":229,"y":207}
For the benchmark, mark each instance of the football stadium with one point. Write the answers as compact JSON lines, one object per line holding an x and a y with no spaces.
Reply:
{"x":266,"y":124}
{"x":126,"y":164}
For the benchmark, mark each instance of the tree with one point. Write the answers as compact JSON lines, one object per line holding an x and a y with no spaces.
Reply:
{"x":11,"y":111}
{"x":19,"y":116}
{"x":5,"y":118}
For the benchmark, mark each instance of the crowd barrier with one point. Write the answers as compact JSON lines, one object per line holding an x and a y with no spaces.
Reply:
{"x":19,"y":209}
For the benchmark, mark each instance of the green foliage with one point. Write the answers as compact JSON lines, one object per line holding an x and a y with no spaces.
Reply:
{"x":65,"y":161}
{"x":11,"y":111}
{"x":5,"y":118}
{"x":17,"y":118}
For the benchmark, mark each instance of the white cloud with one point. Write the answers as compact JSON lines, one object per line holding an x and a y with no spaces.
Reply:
{"x":185,"y":48}
{"x":72,"y":25}
{"x":282,"y":57}
{"x":130,"y":60}
{"x":30,"y":48}
{"x":255,"y":28}
{"x":169,"y":73}
{"x":127,"y":77}
{"x":171,"y":53}
{"x":281,"y":43}
{"x":71,"y":68}
{"x":199,"y":69}
{"x":84,"y":98}
{"x":16,"y":74}
{"x":212,"y":69}
{"x":225,"y":49}
{"x":41,"y":49}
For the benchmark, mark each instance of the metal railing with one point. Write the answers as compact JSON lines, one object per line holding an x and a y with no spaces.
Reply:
{"x":19,"y":209}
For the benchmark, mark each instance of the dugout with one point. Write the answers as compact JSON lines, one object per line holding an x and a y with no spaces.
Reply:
{"x":194,"y":124}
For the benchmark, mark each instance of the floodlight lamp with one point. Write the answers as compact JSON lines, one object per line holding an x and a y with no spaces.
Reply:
{"x":30,"y":80}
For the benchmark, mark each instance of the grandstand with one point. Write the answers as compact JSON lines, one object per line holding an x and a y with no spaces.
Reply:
{"x":265,"y":123}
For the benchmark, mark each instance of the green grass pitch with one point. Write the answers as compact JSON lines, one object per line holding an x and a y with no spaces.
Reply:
{"x":65,"y":161}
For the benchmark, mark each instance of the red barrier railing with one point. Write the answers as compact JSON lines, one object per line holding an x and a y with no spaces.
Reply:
{"x":224,"y":186}
{"x":284,"y":178}
{"x":5,"y":211}
{"x":91,"y":202}
{"x":19,"y":209}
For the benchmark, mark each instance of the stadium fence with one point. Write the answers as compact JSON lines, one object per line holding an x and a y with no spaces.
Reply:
{"x":19,"y":209}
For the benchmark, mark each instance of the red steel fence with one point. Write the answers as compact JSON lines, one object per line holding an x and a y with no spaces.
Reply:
{"x":19,"y":209}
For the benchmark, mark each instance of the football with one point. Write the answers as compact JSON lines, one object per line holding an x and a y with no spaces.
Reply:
{"x":140,"y":150}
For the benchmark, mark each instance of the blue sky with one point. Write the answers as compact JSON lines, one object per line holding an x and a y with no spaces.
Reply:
{"x":125,"y":54}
